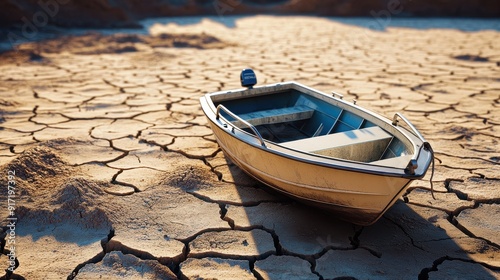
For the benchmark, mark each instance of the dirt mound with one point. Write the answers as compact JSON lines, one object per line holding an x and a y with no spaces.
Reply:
{"x":78,"y":201}
{"x":96,"y":43}
{"x":116,"y":265}
{"x":36,"y":171}
{"x":199,"y":41}
{"x":37,"y":162}
{"x":190,"y":177}
{"x":78,"y":191}
{"x":49,"y":191}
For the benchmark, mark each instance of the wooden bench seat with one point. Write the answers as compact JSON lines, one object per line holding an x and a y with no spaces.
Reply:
{"x":365,"y":145}
{"x":274,"y":116}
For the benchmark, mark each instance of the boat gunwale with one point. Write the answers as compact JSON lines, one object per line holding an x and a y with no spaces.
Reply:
{"x":337,"y":163}
{"x":332,"y":162}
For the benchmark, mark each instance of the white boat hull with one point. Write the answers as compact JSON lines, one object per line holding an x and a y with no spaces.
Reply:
{"x":360,"y":198}
{"x":355,"y":191}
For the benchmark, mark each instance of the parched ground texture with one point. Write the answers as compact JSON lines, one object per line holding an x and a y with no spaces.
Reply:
{"x":117,"y":175}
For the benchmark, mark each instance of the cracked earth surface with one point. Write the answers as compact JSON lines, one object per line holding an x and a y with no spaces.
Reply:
{"x":119,"y":177}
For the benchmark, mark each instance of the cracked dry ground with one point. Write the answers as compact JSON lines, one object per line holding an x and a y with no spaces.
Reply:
{"x":119,"y":177}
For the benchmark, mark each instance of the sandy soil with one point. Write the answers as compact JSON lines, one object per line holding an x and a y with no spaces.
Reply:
{"x":117,"y":175}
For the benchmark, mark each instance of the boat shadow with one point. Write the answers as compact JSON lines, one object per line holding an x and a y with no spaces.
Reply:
{"x":409,"y":241}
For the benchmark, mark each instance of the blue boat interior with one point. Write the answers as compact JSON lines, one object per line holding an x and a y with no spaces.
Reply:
{"x":300,"y":121}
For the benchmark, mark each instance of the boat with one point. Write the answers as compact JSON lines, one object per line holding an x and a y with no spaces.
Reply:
{"x":318,"y":148}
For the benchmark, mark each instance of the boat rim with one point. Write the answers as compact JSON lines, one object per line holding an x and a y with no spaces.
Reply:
{"x":417,"y":141}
